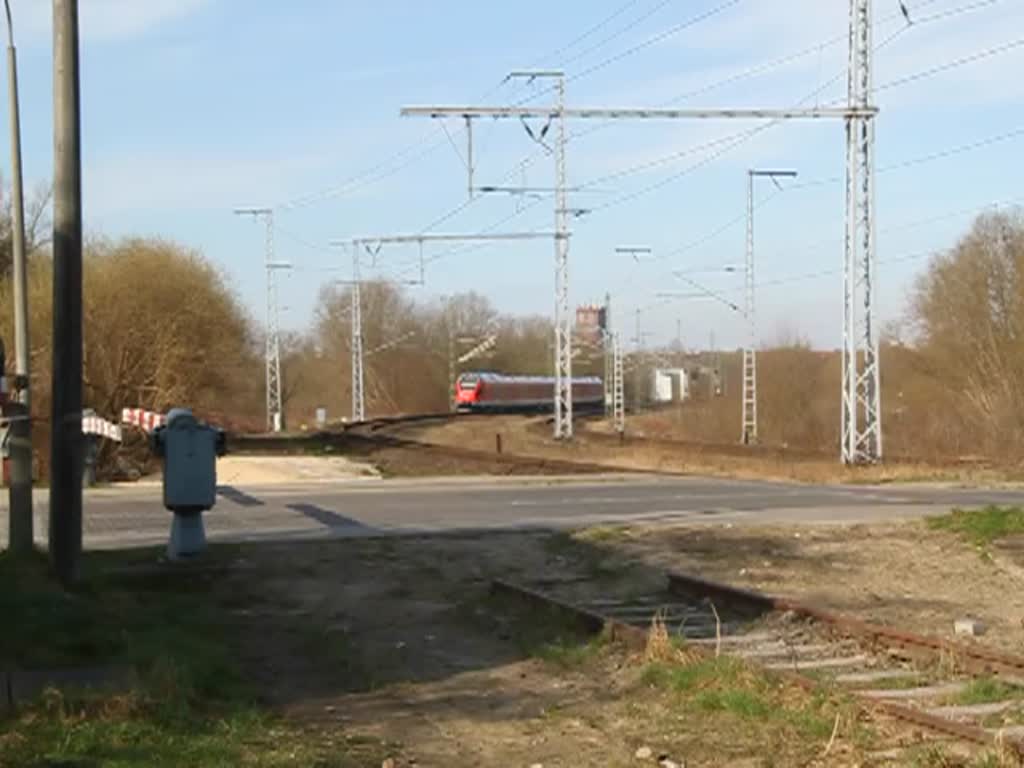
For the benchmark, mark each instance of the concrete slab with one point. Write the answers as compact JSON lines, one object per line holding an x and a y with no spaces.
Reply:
{"x":862,"y":678}
{"x":834,"y":663}
{"x":926,"y":692}
{"x":971,"y":711}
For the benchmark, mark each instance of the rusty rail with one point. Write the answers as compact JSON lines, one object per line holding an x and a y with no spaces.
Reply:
{"x":976,"y":660}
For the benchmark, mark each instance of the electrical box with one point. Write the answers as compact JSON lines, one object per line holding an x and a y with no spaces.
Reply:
{"x":189,"y":450}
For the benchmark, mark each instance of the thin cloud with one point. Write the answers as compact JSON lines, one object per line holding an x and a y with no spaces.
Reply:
{"x":103,"y":20}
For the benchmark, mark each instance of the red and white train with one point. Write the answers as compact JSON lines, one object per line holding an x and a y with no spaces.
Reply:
{"x":497,"y":392}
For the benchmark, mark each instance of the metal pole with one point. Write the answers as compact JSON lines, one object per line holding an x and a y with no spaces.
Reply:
{"x":20,"y":539}
{"x":273,"y":351}
{"x":606,"y":339}
{"x":272,"y":344}
{"x":469,"y":153}
{"x":618,"y":395}
{"x":66,"y":409}
{"x":861,"y":408}
{"x":639,"y":377}
{"x":358,"y":402}
{"x":749,"y":399}
{"x":451,"y":355}
{"x":563,"y":319}
{"x":748,"y":435}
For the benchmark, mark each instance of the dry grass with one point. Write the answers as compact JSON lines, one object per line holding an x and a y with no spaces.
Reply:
{"x":646,"y":450}
{"x":662,"y":648}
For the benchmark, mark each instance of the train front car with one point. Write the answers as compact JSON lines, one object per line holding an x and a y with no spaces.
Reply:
{"x":467,"y":392}
{"x":509,"y":394}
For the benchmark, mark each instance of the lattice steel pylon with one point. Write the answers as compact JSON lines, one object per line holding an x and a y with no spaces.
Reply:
{"x":606,"y":342}
{"x":358,"y":401}
{"x":273,"y":352}
{"x":563,"y":316}
{"x":861,"y":406}
{"x":618,"y":389}
{"x":558,"y":114}
{"x":272,"y":347}
{"x":749,"y":434}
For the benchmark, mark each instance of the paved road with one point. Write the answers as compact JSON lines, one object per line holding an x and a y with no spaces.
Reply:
{"x":126,"y":516}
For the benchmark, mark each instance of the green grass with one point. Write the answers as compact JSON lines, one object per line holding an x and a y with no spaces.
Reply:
{"x":730,"y":686}
{"x":193,"y":705}
{"x":571,"y":653}
{"x":987,"y":689}
{"x":981,"y":527}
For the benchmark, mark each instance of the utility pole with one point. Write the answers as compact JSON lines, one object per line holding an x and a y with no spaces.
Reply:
{"x":451,"y":353}
{"x":563,"y":316}
{"x":272,"y":348}
{"x":862,"y":407}
{"x":748,"y":436}
{"x":358,"y":396}
{"x":618,"y":391}
{"x":606,"y":341}
{"x":21,"y":524}
{"x":373,"y":245}
{"x":65,"y":534}
{"x":857,"y":112}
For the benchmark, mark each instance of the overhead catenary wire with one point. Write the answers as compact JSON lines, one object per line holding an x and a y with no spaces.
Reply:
{"x":813,"y":183}
{"x":736,"y":139}
{"x":939,"y":15}
{"x":664,"y":35}
{"x":430,"y":142}
{"x":740,"y":137}
{"x":762,"y":69}
{"x":915,"y":255}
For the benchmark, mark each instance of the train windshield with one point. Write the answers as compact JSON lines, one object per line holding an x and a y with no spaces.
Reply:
{"x":468,"y":381}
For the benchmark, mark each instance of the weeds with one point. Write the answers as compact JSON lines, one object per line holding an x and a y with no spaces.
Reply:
{"x":983,"y":690}
{"x":981,"y":527}
{"x":192,"y":705}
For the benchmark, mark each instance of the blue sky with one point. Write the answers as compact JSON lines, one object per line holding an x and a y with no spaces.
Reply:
{"x":194,"y":107}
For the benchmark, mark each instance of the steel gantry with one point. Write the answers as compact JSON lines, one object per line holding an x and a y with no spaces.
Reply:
{"x":861,"y":403}
{"x":272,"y":346}
{"x":857,"y":112}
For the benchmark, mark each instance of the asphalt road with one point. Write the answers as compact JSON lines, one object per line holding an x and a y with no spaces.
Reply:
{"x":134,"y":515}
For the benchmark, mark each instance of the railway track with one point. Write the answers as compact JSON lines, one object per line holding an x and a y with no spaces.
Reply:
{"x":365,"y":437}
{"x":962,"y":694}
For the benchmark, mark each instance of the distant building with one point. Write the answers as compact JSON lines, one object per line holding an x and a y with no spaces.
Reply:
{"x":590,"y":322}
{"x":670,"y":385}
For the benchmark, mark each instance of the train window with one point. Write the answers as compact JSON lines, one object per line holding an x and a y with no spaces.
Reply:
{"x":468,"y":381}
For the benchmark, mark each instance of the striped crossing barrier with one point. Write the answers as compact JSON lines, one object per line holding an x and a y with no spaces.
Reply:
{"x":96,"y":425}
{"x":143,"y":419}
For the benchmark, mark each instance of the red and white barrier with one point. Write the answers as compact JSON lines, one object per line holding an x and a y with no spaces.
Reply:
{"x":143,"y":419}
{"x":95,"y":425}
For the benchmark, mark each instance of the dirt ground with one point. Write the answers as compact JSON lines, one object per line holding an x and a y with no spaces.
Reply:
{"x":290,"y":469}
{"x":901,"y":574}
{"x":594,"y":442}
{"x":399,"y":642}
